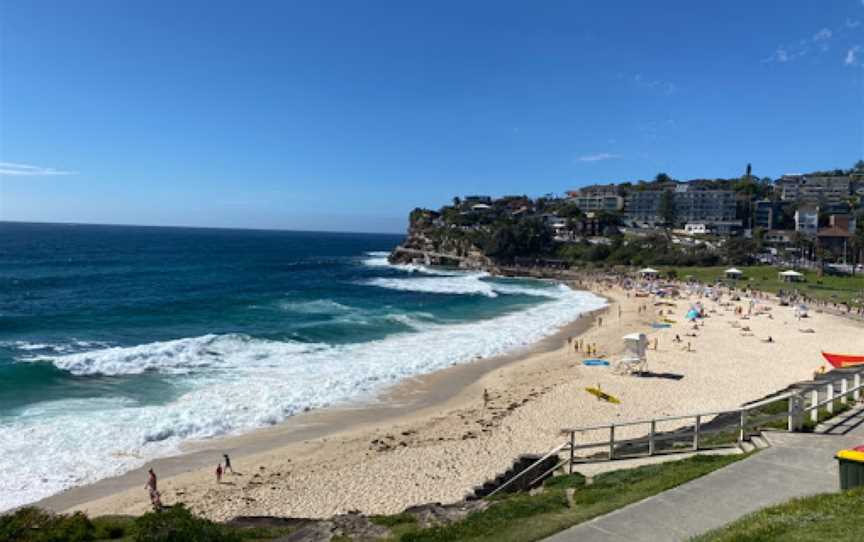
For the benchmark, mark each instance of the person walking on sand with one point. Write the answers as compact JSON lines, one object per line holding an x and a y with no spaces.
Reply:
{"x":219,"y":473}
{"x":150,"y":486}
{"x":228,"y":464}
{"x":485,"y":398}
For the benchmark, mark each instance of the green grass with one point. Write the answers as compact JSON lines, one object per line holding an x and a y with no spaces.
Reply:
{"x":524,"y":518}
{"x":764,"y":278}
{"x":835,"y":517}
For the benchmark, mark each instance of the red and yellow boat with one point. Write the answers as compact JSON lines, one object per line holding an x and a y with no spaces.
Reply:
{"x":843,"y":360}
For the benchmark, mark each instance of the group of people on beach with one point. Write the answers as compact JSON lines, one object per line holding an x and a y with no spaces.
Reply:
{"x":152,"y":483}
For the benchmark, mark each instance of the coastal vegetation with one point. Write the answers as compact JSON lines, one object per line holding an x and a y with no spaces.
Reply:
{"x":834,"y":516}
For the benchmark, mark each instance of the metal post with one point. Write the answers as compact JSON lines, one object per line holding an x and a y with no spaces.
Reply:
{"x":651,"y":437}
{"x":611,"y":442}
{"x":792,"y":416}
{"x":814,"y":400}
{"x":829,"y":390}
{"x":856,"y":395}
{"x":572,"y":449}
{"x":844,"y":389}
{"x":741,"y":426}
{"x":696,"y":429}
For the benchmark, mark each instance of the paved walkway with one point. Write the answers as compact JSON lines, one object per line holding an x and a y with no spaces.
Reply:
{"x":796,"y":464}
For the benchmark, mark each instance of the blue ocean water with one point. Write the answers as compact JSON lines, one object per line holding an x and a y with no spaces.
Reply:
{"x":119,"y":343}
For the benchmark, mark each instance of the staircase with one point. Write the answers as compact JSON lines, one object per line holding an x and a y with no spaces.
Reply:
{"x":529,"y":477}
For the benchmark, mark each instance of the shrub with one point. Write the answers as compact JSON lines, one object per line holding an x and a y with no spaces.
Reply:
{"x":178,"y":524}
{"x":34,"y":525}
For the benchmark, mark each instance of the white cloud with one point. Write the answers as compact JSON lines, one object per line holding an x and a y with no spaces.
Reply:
{"x":24,"y":170}
{"x":852,"y":56}
{"x":598,"y":157}
{"x":823,"y":35}
{"x":780,"y":55}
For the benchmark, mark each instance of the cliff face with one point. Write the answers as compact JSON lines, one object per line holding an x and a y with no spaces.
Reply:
{"x":431,"y":243}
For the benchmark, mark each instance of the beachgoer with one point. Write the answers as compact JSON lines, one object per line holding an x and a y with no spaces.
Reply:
{"x":219,"y":473}
{"x":677,"y":339}
{"x":151,"y":480}
{"x":485,"y":398}
{"x":228,"y":464}
{"x":153,"y":493}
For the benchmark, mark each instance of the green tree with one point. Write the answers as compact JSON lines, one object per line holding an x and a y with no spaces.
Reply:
{"x":667,"y":207}
{"x":662,"y":178}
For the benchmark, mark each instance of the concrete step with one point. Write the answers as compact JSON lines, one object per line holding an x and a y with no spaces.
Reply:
{"x":746,"y":447}
{"x":760,"y":442}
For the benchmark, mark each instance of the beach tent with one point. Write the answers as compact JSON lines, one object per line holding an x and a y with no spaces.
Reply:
{"x":733,"y":273}
{"x":649,"y":273}
{"x":791,"y":276}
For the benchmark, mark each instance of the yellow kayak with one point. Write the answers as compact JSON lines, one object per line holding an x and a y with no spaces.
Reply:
{"x":602,"y":395}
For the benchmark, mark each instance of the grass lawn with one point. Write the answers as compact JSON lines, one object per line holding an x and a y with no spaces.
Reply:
{"x":828,"y":288}
{"x":834,"y":516}
{"x":523,"y":518}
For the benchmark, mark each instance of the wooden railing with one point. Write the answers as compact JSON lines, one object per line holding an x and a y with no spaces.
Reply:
{"x":690,"y":434}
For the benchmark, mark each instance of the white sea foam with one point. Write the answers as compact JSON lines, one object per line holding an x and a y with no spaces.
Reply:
{"x":462,"y":284}
{"x":318,"y":306}
{"x":379,"y":259}
{"x":235,"y":383}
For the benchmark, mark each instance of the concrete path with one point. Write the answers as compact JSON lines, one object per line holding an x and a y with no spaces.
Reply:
{"x":797,"y":464}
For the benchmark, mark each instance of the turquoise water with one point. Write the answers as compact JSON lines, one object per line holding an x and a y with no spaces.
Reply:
{"x":119,"y":343}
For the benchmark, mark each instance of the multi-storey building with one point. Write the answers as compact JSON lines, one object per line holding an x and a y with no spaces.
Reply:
{"x":710,"y":207}
{"x":830,"y":190}
{"x":766,"y":214}
{"x":815,"y":189}
{"x":609,"y":202}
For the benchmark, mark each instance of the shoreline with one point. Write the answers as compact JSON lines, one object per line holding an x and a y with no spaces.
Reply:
{"x":415,"y":397}
{"x":439,"y":452}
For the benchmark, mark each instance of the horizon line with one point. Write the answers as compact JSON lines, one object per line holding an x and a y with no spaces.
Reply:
{"x":242,"y":228}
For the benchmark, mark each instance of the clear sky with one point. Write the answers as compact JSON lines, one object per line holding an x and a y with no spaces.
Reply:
{"x":329,"y":115}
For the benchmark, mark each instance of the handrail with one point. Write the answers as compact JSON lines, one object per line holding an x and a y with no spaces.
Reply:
{"x":745,"y":408}
{"x":653,"y":436}
{"x":831,"y":400}
{"x":528,"y":469}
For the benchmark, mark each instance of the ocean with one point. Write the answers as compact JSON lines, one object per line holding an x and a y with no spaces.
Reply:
{"x":117,"y":344}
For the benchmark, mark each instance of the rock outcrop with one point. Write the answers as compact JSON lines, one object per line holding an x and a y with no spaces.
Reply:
{"x":429,"y":242}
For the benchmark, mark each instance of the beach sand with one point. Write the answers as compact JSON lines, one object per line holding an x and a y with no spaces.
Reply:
{"x":432,"y":439}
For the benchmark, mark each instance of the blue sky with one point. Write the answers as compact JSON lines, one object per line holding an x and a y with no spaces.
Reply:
{"x":330,"y":115}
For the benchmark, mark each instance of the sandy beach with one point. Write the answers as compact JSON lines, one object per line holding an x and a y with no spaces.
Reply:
{"x":432,"y":438}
